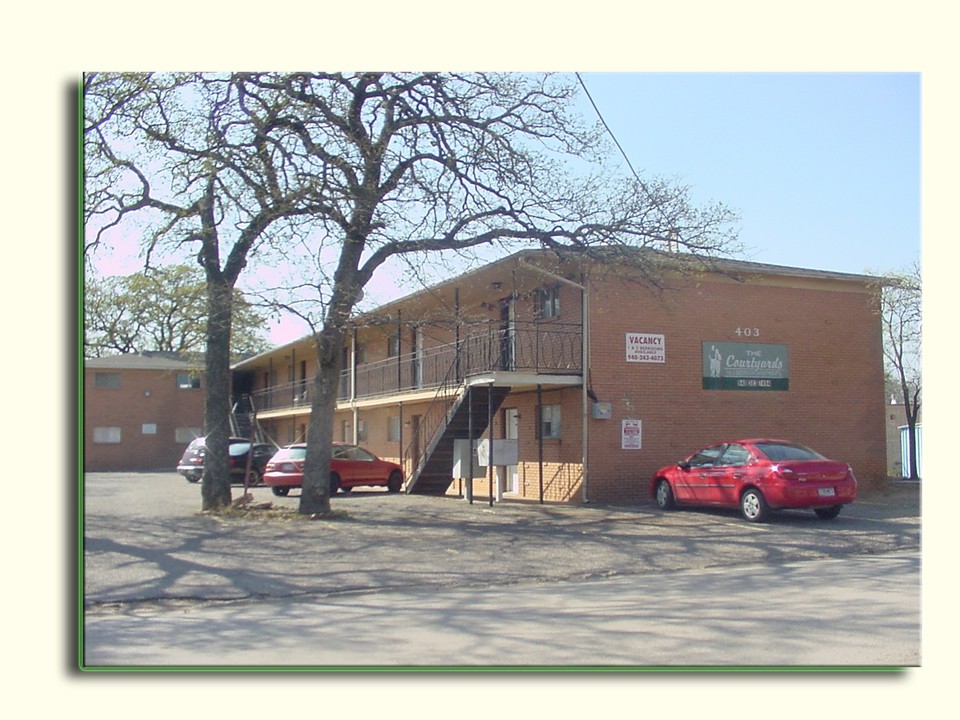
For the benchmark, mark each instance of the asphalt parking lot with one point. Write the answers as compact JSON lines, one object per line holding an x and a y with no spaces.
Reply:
{"x":146,"y":541}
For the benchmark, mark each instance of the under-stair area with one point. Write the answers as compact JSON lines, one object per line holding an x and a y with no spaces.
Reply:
{"x":468,"y":415}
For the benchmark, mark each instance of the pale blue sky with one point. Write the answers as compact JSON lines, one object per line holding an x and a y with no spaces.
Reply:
{"x":824,"y":168}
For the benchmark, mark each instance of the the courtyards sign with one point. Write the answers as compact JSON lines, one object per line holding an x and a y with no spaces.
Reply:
{"x":745,"y":366}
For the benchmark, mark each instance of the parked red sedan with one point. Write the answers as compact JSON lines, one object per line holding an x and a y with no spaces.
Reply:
{"x":350,"y":466}
{"x":757,"y":476}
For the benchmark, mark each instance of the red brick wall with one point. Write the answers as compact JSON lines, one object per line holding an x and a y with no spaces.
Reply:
{"x":144,"y":397}
{"x":835,"y":401}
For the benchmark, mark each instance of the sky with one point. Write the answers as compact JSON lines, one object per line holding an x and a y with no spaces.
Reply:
{"x":822,"y":168}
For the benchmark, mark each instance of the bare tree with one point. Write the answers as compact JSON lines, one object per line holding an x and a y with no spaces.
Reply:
{"x":411,"y":165}
{"x":367,"y":167}
{"x":901,"y":315}
{"x":186,"y":156}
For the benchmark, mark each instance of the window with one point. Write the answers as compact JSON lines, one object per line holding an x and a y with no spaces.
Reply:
{"x":708,"y":457}
{"x":393,"y":345}
{"x":188,"y":381}
{"x":106,"y":380}
{"x":735,"y":455}
{"x":547,"y":302}
{"x":187,"y":434}
{"x":550,"y":422}
{"x":393,"y":429}
{"x":361,"y":430}
{"x":106,"y":435}
{"x":149,"y":429}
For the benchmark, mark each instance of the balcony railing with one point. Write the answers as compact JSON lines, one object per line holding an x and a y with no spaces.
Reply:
{"x":538,"y":347}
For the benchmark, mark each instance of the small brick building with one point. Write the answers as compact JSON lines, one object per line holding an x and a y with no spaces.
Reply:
{"x":595,"y":378}
{"x":140,"y":411}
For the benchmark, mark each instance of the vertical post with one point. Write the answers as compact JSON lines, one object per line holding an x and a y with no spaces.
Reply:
{"x":490,"y":435}
{"x":456,"y":303}
{"x":470,"y":440}
{"x":584,"y":379}
{"x":400,"y":436}
{"x":540,"y":437}
{"x":399,"y":351}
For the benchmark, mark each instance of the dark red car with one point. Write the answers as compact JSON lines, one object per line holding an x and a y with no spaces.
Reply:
{"x":757,"y":476}
{"x":350,"y":466}
{"x":191,"y":464}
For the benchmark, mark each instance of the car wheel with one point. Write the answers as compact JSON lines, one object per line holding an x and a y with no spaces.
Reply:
{"x":664,"y":496}
{"x":753,"y":506}
{"x":253,"y":479}
{"x":192,"y":479}
{"x":828,"y":513}
{"x":281,"y":491}
{"x":395,"y":481}
{"x":345,"y":489}
{"x":334,"y":484}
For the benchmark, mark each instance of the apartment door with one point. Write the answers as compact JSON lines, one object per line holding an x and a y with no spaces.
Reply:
{"x":417,"y":357}
{"x":416,"y":442}
{"x":508,"y":327}
{"x":512,"y":428}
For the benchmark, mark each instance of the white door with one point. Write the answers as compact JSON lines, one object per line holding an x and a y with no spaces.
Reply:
{"x":512,"y":422}
{"x":418,"y":357}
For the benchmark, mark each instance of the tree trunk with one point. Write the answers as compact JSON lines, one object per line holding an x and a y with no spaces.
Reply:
{"x":315,"y":492}
{"x":215,"y":488}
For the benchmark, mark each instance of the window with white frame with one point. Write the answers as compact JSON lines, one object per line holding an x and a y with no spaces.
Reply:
{"x":393,"y":345}
{"x":188,"y":381}
{"x":106,"y":435}
{"x":547,"y":302}
{"x":550,"y":422}
{"x":184,"y":435}
{"x":106,"y":380}
{"x":149,"y":429}
{"x":393,"y":428}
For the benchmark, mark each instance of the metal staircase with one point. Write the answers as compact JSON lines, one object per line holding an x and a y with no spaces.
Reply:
{"x":468,"y":414}
{"x":243,"y":421}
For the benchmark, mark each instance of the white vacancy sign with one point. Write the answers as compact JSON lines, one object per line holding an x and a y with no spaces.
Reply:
{"x":646,"y":347}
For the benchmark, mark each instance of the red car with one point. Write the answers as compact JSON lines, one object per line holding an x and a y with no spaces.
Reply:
{"x":350,"y":466}
{"x":757,"y":476}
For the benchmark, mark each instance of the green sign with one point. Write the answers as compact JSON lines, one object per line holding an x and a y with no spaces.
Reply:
{"x":745,"y":366}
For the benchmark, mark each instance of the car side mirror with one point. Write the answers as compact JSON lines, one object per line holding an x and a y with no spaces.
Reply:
{"x":683,"y":465}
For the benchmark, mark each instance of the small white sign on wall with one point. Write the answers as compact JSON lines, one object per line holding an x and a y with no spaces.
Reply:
{"x":646,"y":348}
{"x":631,"y":435}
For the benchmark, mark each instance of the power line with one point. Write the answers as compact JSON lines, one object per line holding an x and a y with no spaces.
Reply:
{"x":609,"y":131}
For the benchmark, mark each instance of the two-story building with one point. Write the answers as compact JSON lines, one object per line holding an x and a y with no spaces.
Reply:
{"x":140,"y":411}
{"x":595,"y":377}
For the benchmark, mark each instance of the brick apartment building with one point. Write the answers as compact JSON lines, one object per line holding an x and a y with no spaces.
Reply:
{"x":140,"y":411}
{"x":592,"y":378}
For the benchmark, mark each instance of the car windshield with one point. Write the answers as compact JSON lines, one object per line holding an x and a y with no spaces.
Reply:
{"x":785,"y":451}
{"x":239,"y":449}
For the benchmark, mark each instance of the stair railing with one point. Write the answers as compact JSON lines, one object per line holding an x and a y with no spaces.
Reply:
{"x":434,"y":421}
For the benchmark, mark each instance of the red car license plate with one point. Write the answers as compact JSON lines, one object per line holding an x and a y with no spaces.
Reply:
{"x":827,"y":492}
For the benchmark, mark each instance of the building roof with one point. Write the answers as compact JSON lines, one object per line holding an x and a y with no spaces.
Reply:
{"x":726,"y":266}
{"x":139,"y":361}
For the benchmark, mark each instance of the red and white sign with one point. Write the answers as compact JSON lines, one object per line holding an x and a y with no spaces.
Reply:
{"x":631,"y":435}
{"x":646,"y":348}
